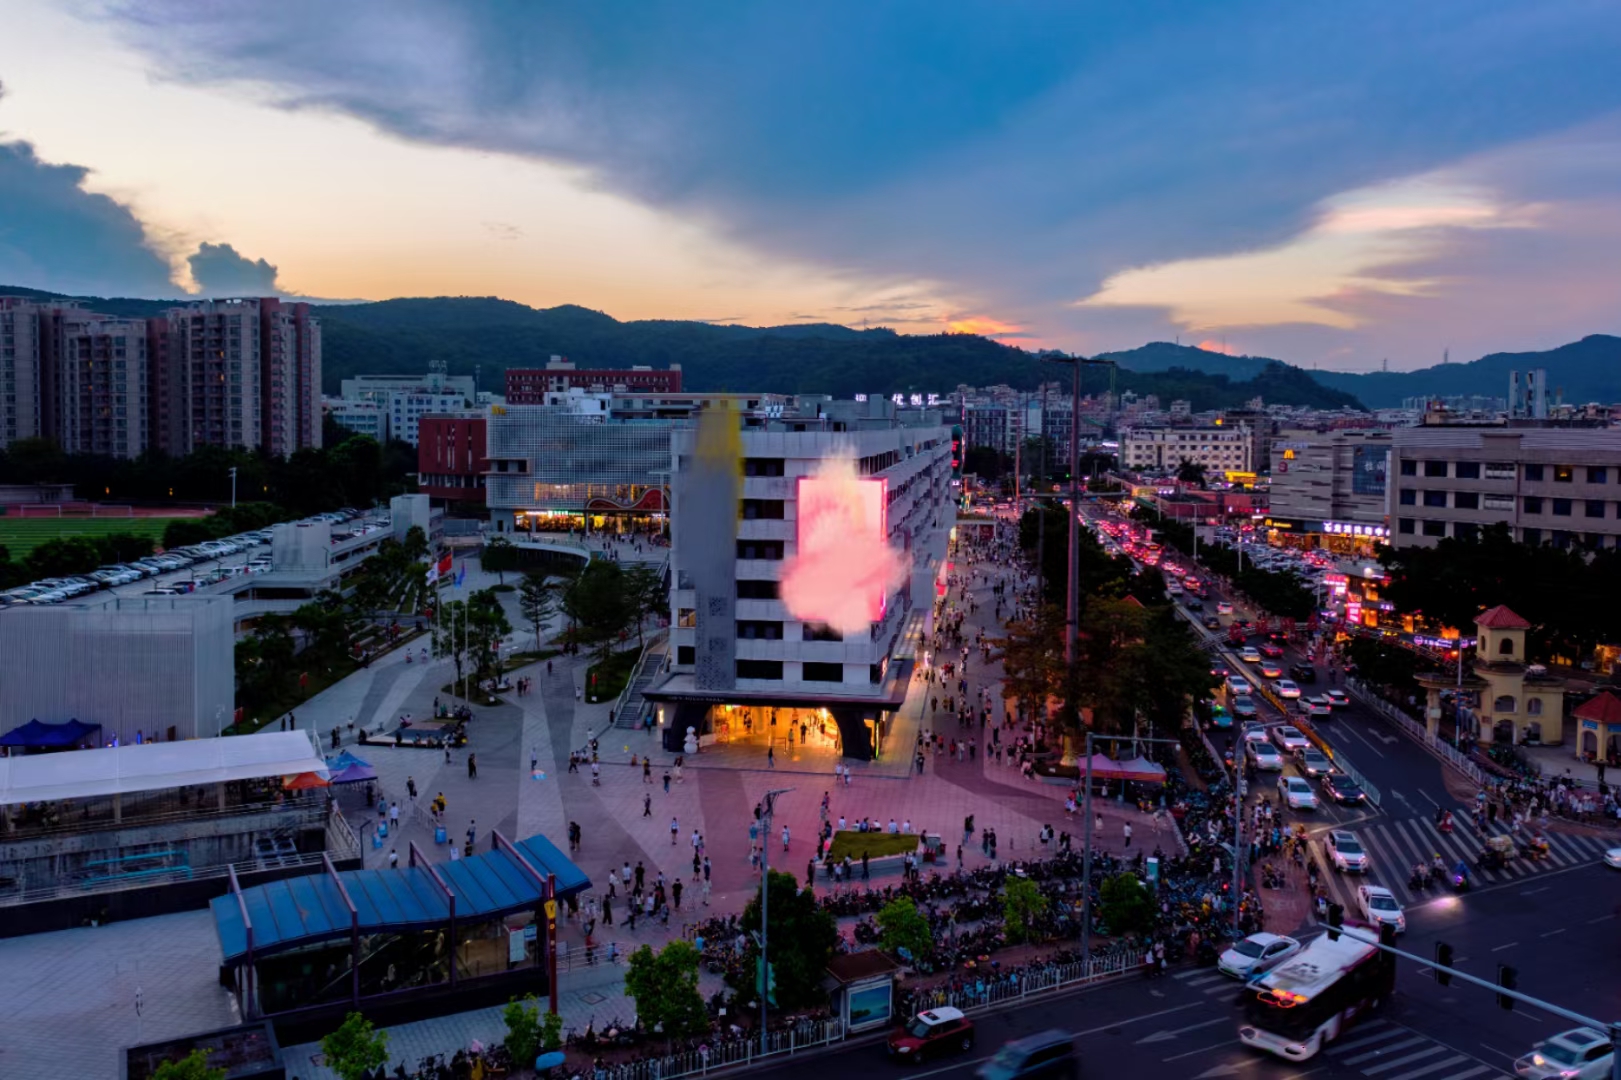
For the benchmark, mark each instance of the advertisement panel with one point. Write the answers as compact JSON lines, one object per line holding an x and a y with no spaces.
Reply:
{"x":844,"y":568}
{"x":1368,"y":467}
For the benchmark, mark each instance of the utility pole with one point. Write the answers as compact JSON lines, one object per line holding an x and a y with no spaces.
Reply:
{"x":765,"y":893}
{"x":233,"y":487}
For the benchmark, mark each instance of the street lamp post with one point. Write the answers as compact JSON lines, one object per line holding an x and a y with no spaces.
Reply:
{"x":233,"y":487}
{"x":765,"y":893}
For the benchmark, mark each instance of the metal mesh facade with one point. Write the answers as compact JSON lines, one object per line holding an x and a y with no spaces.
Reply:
{"x":556,"y":460}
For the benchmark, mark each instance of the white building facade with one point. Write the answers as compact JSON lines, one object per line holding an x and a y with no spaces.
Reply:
{"x":1218,"y":449}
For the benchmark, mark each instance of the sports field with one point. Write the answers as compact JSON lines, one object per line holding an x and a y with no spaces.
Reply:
{"x":21,"y":535}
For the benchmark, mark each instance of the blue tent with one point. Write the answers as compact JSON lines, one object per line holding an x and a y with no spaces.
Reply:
{"x":345,"y":760}
{"x":40,"y":735}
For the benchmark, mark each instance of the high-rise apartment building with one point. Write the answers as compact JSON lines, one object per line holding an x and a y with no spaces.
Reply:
{"x":1230,"y":448}
{"x":21,"y":397}
{"x":72,"y":376}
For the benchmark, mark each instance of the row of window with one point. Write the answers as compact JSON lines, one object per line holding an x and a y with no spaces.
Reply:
{"x":1468,"y":530}
{"x":1504,"y":470}
{"x":1532,"y":504}
{"x":771,"y":670}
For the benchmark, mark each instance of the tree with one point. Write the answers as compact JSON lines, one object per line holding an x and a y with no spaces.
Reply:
{"x":599,"y":603}
{"x":1126,"y":905}
{"x":904,"y":930}
{"x":664,"y":985}
{"x":644,"y":588}
{"x":1023,"y":906}
{"x":524,"y":1035}
{"x":537,"y":602}
{"x":801,"y":936}
{"x":500,"y":555}
{"x":1192,"y":472}
{"x":194,"y":1066}
{"x":355,"y":1048}
{"x":121,"y":547}
{"x":63,"y":556}
{"x":1033,"y":658}
{"x":487,"y":625}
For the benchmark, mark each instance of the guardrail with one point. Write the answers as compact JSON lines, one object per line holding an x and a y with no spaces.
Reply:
{"x":1449,"y":755}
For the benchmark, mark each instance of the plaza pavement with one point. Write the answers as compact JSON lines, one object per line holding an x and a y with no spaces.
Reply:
{"x":82,"y":980}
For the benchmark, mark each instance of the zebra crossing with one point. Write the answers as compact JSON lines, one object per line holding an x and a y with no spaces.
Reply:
{"x":1395,"y":845}
{"x":1375,"y":1047}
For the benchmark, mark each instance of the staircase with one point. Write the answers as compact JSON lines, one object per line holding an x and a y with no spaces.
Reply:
{"x":628,"y":711}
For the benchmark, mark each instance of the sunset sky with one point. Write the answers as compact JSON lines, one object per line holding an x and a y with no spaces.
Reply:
{"x":1334,"y":185}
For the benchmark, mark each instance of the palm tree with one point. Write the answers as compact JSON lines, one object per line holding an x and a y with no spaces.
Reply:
{"x":1189,"y":471}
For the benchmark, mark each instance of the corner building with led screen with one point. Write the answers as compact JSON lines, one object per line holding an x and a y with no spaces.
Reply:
{"x":807,"y":551}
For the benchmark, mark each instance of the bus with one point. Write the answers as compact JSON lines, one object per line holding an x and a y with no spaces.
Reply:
{"x":1301,"y":1005}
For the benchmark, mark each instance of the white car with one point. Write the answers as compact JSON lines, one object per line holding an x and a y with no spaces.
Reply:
{"x":1315,"y":707}
{"x":1337,"y":699}
{"x":1287,"y":689}
{"x":1297,"y":793}
{"x":1581,"y":1053}
{"x":1346,"y":852}
{"x":1237,"y":685}
{"x":1266,"y":756}
{"x":1250,"y":654}
{"x":1379,"y":905}
{"x":1612,"y":858}
{"x":1223,"y":607}
{"x":1256,"y":954}
{"x":1255,"y":732}
{"x":1289,"y":739}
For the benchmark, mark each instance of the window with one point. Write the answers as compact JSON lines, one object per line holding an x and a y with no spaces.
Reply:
{"x":1465,"y":530}
{"x":759,"y":549}
{"x":1597,"y":474}
{"x":1593,"y":541}
{"x":758,"y":629}
{"x":1435,"y":528}
{"x":1564,"y":474}
{"x":1594,"y":508}
{"x":762,"y":466}
{"x":756,"y":589}
{"x":1500,"y":470}
{"x":1562,"y":539}
{"x":1497,"y":502}
{"x":1561,"y":507}
{"x":1531,"y":536}
{"x":1435,"y":498}
{"x":1533,"y":504}
{"x":1503,"y":704}
{"x":823,"y":672}
{"x":1533,"y":472}
{"x":821,"y":632}
{"x":1409,"y":468}
{"x":1404,"y":525}
{"x":762,"y":509}
{"x":1466,"y":470}
{"x":686,"y":617}
{"x":684,"y":655}
{"x":1435,"y":468}
{"x":1409,"y":497}
{"x":759,"y":669}
{"x":1466,"y":500}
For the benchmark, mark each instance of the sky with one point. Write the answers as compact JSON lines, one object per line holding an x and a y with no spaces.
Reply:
{"x":1337,"y":185}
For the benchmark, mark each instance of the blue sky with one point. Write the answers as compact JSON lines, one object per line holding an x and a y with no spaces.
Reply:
{"x":1333,"y":184}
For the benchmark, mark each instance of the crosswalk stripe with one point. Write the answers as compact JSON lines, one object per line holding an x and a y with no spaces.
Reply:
{"x":1466,"y":1074}
{"x":1404,"y":1044}
{"x":1444,"y":1063}
{"x":1190,"y":973}
{"x":1368,"y":1040}
{"x":1428,"y":1051}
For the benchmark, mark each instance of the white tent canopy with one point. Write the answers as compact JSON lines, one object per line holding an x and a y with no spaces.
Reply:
{"x":83,"y":774}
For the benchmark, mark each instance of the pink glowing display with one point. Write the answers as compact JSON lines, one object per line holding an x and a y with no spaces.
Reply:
{"x":844,"y":569}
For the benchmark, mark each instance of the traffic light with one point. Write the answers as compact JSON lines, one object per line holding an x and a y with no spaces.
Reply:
{"x":1443,"y":962}
{"x":1509,"y":979}
{"x":1336,"y":919}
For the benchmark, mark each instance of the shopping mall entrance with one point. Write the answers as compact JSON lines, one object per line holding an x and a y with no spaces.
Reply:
{"x":794,"y":732}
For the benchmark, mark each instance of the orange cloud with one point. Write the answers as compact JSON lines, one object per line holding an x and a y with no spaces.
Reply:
{"x":1218,"y":347}
{"x":981,"y":324}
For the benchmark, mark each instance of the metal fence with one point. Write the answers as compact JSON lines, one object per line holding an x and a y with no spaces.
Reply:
{"x":814,"y":1034}
{"x":1448,"y":754}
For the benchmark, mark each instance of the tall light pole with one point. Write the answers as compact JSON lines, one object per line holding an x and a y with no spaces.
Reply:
{"x":233,"y":487}
{"x":765,"y":893}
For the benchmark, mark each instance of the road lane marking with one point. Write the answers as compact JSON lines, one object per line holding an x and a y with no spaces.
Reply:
{"x":1202,"y":1050}
{"x":1145,"y":1016}
{"x":1551,"y":933}
{"x":1500,"y":948}
{"x":1428,"y":1051}
{"x":1532,"y":892}
{"x":1364,"y":742}
{"x":1434,"y":1066}
{"x":1427,"y":798}
{"x":1370,"y":1055}
{"x":1162,"y":1036}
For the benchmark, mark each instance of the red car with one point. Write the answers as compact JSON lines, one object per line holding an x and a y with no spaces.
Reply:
{"x":1268,"y":649}
{"x":932,"y":1033}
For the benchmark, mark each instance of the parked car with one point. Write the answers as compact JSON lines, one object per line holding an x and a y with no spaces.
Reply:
{"x":932,"y":1033}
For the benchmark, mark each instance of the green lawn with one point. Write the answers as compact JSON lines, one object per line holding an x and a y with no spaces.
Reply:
{"x":873,"y":844}
{"x":610,"y":676}
{"x":21,"y":535}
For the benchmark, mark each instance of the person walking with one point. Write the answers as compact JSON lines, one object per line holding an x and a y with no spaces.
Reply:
{"x":472,"y":766}
{"x":785,"y":838}
{"x":771,"y":757}
{"x":1126,"y":828}
{"x":675,"y":827}
{"x":411,"y":787}
{"x":394,"y":858}
{"x":647,"y":806}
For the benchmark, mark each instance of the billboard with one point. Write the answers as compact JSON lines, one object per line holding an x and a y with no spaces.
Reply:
{"x":844,"y":568}
{"x":1368,"y":467}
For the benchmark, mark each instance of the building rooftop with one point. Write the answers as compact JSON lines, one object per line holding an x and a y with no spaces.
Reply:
{"x":1501,"y":618}
{"x":1605,"y":708}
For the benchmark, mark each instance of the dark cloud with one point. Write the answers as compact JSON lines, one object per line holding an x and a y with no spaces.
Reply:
{"x":220,"y":270}
{"x":56,"y":235}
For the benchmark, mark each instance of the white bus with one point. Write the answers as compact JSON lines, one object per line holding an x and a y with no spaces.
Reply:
{"x":1300,"y":1006}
